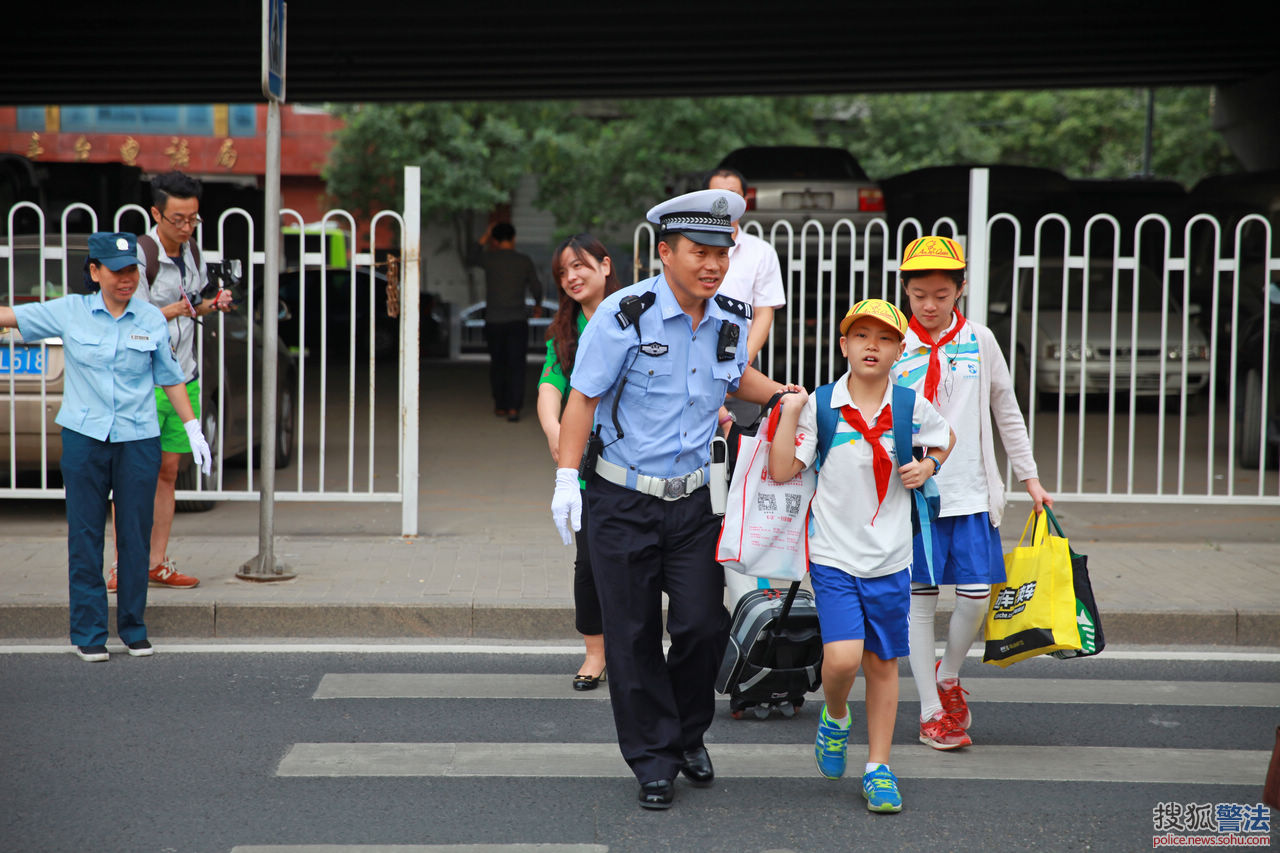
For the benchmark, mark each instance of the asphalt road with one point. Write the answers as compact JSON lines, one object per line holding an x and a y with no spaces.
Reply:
{"x":224,"y":750}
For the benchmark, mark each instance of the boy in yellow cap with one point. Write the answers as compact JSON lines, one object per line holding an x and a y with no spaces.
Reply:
{"x":860,"y":530}
{"x":957,"y":366}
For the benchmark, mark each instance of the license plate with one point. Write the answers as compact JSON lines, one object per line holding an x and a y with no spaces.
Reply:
{"x":29,"y":360}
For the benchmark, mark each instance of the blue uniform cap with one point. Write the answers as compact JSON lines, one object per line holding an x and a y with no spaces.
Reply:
{"x":704,"y":216}
{"x":114,"y":250}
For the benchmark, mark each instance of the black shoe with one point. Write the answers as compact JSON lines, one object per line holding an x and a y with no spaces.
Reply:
{"x":93,"y":654}
{"x":140,"y":649}
{"x":657,"y":795}
{"x":697,"y":767}
{"x":588,"y":682}
{"x":514,"y":416}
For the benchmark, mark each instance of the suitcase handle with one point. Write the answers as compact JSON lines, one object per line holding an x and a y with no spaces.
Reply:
{"x":782,"y":617}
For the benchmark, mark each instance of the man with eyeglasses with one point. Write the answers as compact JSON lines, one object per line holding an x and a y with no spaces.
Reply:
{"x":173,"y":278}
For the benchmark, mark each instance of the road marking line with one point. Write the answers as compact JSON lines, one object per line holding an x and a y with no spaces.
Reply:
{"x":421,"y":848}
{"x":569,"y":647}
{"x":751,"y":761}
{"x":413,"y":685}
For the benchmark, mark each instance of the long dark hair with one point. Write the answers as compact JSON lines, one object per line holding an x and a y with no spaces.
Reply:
{"x":563,"y":330}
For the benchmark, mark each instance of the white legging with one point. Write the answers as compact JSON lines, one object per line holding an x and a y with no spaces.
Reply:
{"x":966,"y":622}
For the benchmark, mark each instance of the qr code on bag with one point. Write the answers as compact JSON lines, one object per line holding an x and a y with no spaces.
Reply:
{"x":767,"y":503}
{"x":793,"y":503}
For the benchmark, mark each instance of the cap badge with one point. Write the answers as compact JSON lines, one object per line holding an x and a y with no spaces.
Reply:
{"x":720,"y":207}
{"x":122,"y":244}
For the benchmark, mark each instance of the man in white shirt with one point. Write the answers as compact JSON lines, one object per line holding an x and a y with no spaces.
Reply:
{"x":754,"y":277}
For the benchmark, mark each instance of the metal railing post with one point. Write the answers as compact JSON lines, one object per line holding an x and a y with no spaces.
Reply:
{"x":977,"y":263}
{"x":409,"y":360}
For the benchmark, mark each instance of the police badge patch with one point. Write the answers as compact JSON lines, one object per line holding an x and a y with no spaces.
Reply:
{"x":654,"y":348}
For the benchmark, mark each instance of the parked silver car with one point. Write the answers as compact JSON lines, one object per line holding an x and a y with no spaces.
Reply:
{"x":1145,"y":361}
{"x":471,"y":326}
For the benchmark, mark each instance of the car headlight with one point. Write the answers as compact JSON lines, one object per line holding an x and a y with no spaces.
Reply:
{"x":1195,"y":352}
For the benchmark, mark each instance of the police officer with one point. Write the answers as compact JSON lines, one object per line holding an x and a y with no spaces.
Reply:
{"x":116,"y":350}
{"x":652,"y":369}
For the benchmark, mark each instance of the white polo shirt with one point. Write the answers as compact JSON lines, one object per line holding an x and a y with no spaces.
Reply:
{"x":754,"y":276}
{"x":841,"y":533}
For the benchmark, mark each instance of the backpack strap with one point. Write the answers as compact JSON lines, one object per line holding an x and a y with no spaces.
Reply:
{"x":151,"y":254}
{"x":904,"y":404}
{"x":826,"y":423}
{"x":924,"y":500}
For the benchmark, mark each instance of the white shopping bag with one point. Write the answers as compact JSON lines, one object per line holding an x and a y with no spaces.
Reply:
{"x":764,"y":529}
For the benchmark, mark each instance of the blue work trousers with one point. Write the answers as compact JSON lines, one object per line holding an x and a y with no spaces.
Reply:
{"x":91,"y":470}
{"x":641,"y":547}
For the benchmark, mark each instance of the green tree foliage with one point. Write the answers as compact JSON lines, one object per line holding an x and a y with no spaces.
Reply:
{"x":600,"y":165}
{"x":1084,"y":133}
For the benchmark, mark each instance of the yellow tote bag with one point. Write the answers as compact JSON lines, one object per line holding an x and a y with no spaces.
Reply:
{"x":1034,"y":611}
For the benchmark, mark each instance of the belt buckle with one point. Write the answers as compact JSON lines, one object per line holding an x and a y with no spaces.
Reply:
{"x":674,"y":488}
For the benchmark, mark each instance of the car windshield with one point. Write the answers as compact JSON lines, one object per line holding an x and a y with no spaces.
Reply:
{"x":795,"y":163}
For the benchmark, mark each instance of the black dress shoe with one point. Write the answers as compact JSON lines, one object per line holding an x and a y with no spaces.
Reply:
{"x":588,"y":682}
{"x":697,"y":767}
{"x":657,"y":795}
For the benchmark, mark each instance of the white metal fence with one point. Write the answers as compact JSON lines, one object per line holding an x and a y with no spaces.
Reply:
{"x":341,"y":432}
{"x":1179,"y":401}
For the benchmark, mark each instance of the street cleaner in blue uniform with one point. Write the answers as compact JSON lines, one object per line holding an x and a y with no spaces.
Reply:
{"x":652,"y":369}
{"x":116,"y":351}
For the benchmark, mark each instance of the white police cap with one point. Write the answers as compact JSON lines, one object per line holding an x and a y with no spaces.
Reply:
{"x":704,"y":216}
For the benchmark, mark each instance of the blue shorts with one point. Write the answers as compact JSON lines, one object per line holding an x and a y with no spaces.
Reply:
{"x":870,"y":609}
{"x":967,"y":549}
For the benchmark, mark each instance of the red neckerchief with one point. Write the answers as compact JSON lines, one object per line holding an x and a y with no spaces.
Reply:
{"x":881,"y":464}
{"x":934,"y":374}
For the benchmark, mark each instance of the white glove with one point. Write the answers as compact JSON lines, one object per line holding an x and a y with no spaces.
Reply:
{"x":199,"y":447}
{"x":566,"y":504}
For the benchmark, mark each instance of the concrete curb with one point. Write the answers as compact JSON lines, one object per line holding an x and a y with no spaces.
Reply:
{"x":547,"y":622}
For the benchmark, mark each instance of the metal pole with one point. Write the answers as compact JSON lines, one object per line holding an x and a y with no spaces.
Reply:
{"x":977,"y":262}
{"x":264,"y":567}
{"x":409,"y":355}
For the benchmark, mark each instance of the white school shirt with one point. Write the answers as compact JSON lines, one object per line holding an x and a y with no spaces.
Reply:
{"x":962,"y":483}
{"x":841,"y":534}
{"x":998,"y":410}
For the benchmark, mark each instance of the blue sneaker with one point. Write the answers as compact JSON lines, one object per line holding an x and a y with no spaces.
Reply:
{"x":880,"y":790}
{"x":830,"y":747}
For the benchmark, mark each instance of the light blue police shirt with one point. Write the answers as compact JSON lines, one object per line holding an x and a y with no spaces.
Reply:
{"x":112,"y":365}
{"x":674,"y":385}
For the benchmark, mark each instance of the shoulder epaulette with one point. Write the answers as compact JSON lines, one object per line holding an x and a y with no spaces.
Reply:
{"x":734,"y":306}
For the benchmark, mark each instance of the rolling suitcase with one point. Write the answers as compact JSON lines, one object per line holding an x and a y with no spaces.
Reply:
{"x":774,"y":656}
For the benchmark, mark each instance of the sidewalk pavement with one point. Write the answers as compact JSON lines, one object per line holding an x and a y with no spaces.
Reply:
{"x":381,"y":587}
{"x":489,"y":563}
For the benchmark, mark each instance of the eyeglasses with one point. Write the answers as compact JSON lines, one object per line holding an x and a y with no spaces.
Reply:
{"x":182,"y":221}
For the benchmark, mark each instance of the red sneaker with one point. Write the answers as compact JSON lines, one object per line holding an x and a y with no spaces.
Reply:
{"x":166,"y":574}
{"x":952,"y":696}
{"x":941,"y":732}
{"x":111,"y":579}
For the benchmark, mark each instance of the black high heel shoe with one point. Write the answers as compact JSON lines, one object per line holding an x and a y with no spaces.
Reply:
{"x":588,"y":682}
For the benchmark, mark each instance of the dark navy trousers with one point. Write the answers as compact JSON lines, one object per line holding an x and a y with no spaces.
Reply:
{"x":91,"y":470}
{"x":641,"y":547}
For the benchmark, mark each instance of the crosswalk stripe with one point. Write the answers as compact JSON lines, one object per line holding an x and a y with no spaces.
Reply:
{"x":421,"y":848}
{"x":404,"y":685}
{"x":747,"y":761}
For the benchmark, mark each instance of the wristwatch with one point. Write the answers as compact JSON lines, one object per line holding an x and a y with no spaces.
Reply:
{"x":937,"y":466}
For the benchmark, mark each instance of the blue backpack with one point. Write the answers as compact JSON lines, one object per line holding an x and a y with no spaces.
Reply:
{"x":925,"y":500}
